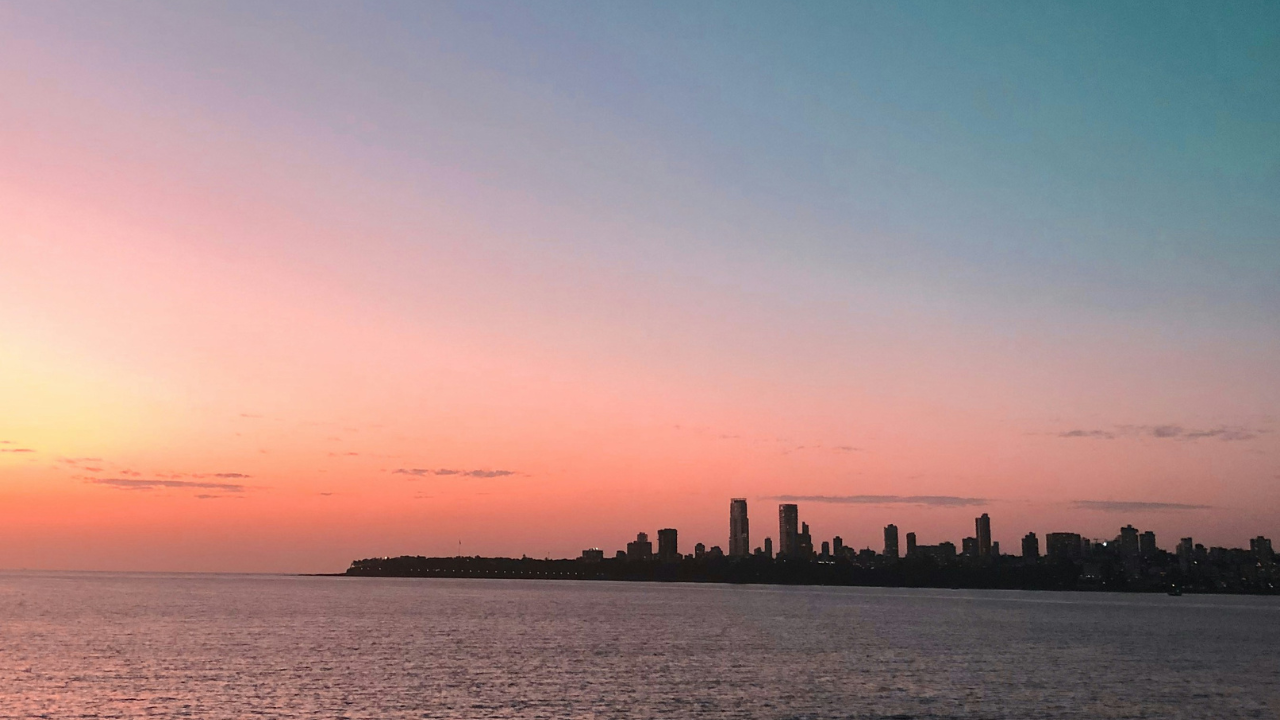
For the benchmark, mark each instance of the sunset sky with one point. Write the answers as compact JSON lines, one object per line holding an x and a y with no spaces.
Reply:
{"x":286,"y":285}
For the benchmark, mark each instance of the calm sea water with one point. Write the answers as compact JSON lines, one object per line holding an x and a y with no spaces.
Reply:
{"x":211,"y":646}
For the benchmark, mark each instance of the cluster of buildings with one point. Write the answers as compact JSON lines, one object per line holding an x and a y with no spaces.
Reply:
{"x":1131,"y":557}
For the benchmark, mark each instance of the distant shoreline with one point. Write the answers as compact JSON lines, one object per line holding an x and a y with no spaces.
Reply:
{"x":998,"y":574}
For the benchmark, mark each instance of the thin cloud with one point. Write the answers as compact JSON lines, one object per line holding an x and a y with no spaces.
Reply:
{"x":17,"y":450}
{"x":931,"y":500}
{"x":139,"y":484}
{"x":424,"y":472}
{"x":1101,"y":434}
{"x":232,"y":476}
{"x":1120,"y":506}
{"x":1225,"y":433}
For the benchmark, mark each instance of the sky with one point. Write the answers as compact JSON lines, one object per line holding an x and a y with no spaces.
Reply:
{"x":286,"y":285}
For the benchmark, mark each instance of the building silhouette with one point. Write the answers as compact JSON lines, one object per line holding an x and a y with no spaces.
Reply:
{"x":640,"y":548}
{"x":942,"y":553}
{"x":739,"y":528}
{"x":969,"y":547}
{"x":788,"y":530}
{"x":699,"y":551}
{"x":804,"y":542}
{"x":983,"y":534}
{"x":1064,"y":546}
{"x":837,"y":546}
{"x":1030,"y":546}
{"x":768,"y":547}
{"x":1128,"y":541}
{"x":911,"y":544}
{"x":1261,"y":549}
{"x":1147,"y":544}
{"x":668,"y":548}
{"x":891,"y":541}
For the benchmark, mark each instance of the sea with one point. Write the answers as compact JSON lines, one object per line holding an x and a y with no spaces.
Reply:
{"x":100,"y":645}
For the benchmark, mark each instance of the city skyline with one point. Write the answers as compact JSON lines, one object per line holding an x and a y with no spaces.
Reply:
{"x":282,"y":286}
{"x":799,"y":543}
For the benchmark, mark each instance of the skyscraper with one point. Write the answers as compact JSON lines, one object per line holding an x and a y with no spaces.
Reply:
{"x":1129,"y":541}
{"x":739,"y":530}
{"x":1147,"y":544}
{"x":804,"y":542}
{"x":788,"y":530}
{"x":1185,"y":548}
{"x":768,"y":547}
{"x":668,"y":550}
{"x":911,"y":544}
{"x":983,"y":534}
{"x":1030,"y":546}
{"x":891,"y":541}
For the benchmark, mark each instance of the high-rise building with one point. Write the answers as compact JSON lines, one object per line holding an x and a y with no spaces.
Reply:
{"x":592,"y":555}
{"x":1030,"y":546}
{"x":739,"y":529}
{"x":1128,"y":541}
{"x":788,"y":530}
{"x":1147,"y":544}
{"x":891,"y":541}
{"x":826,"y":550}
{"x":1064,"y":546}
{"x":768,"y":547}
{"x":969,"y":547}
{"x":911,"y":544}
{"x":837,"y":546}
{"x":1261,"y":548}
{"x":1185,"y":549}
{"x":668,"y":549}
{"x":804,"y":542}
{"x":983,"y":534}
{"x":640,"y":548}
{"x":699,"y":551}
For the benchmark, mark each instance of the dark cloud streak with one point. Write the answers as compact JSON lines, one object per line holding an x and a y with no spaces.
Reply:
{"x":140,"y":484}
{"x":931,"y":500}
{"x":1124,"y":506}
{"x":1225,"y":433}
{"x":424,"y":472}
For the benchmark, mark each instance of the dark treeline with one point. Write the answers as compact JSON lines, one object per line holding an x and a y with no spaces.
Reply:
{"x":1010,"y":573}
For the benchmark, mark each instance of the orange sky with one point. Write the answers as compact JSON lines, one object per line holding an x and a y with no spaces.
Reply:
{"x":244,"y":326}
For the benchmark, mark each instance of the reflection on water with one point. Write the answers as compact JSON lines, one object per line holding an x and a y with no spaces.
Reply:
{"x":103,"y":645}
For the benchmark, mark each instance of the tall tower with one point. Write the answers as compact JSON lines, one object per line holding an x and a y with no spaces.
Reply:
{"x":1129,"y":541}
{"x":1030,"y":547}
{"x":668,"y":550}
{"x":983,"y":535}
{"x":891,"y":541}
{"x":739,"y":529}
{"x":788,"y":530}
